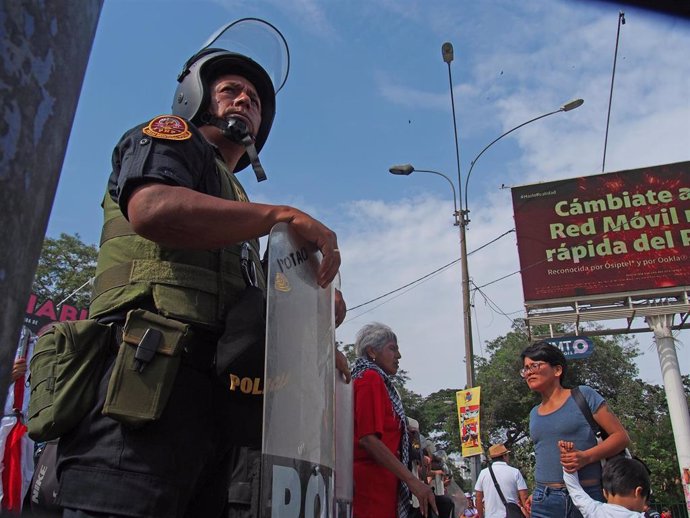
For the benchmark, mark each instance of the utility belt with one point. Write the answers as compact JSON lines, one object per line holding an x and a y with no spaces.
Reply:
{"x":150,"y":350}
{"x":198,"y":351}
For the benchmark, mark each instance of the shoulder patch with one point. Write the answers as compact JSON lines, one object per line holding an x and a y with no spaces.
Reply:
{"x":169,"y":127}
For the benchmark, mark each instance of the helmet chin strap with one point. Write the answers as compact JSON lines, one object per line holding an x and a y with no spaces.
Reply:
{"x":236,"y":130}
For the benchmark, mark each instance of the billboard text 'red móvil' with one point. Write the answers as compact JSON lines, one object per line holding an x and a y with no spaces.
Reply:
{"x":609,"y":233}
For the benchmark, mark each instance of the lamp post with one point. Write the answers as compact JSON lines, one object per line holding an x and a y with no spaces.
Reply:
{"x":406,"y":170}
{"x":570,"y":105}
{"x":462,"y":220}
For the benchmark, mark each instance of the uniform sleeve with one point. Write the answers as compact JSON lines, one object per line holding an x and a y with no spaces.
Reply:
{"x":371,"y":400}
{"x":139,"y":158}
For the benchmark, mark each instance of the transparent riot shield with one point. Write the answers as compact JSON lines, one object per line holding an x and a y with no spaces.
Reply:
{"x":344,"y":451}
{"x":298,"y":450}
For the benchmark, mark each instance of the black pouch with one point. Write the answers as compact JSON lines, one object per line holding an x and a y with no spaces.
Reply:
{"x":44,"y":483}
{"x":66,"y":369}
{"x":245,"y":331}
{"x":513,"y":511}
{"x":145,"y":368}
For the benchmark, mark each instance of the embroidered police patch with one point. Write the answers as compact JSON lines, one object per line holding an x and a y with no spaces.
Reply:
{"x":168,"y":127}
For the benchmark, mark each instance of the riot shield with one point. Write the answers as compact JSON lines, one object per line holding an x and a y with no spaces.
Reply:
{"x":344,"y":451}
{"x":298,"y":450}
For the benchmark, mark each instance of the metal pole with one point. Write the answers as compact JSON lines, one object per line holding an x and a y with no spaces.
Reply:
{"x":467,"y":315}
{"x":475,"y":460}
{"x":675,"y":395}
{"x":463,"y":219}
{"x":621,"y":21}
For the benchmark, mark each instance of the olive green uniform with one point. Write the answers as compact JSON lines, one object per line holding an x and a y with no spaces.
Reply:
{"x":177,"y":465}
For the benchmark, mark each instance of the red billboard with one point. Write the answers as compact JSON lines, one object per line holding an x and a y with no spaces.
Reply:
{"x":609,"y":233}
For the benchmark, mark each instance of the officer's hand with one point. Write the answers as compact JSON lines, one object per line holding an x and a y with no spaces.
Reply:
{"x":342,"y":365}
{"x":325,"y":240}
{"x":340,"y":308}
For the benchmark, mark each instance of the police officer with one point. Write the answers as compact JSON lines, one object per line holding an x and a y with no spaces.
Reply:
{"x":176,"y":219}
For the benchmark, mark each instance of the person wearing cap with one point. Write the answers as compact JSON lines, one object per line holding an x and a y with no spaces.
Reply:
{"x":512,"y":484}
{"x":180,"y":243}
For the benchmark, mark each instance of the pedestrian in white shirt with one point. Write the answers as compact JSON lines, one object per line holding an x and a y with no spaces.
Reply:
{"x":626,"y":487}
{"x":511,"y":482}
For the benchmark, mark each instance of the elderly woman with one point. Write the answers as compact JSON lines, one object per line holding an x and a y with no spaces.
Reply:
{"x":382,"y":480}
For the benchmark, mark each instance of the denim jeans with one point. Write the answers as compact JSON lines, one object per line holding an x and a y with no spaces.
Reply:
{"x":551,"y":502}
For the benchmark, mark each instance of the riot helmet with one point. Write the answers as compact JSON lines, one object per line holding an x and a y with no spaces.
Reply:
{"x":251,"y":48}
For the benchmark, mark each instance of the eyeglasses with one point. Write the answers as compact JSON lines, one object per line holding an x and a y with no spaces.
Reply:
{"x":532,"y":367}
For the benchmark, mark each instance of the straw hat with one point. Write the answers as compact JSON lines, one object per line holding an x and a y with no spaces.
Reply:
{"x":497,"y":450}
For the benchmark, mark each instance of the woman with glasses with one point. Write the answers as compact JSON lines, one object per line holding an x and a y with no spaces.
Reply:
{"x":558,"y":417}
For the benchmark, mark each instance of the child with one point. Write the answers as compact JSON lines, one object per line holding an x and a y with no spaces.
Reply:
{"x":626,"y":488}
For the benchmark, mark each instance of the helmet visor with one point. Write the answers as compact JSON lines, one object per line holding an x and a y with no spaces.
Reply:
{"x":258,"y":40}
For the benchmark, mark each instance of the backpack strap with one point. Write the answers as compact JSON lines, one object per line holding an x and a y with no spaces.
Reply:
{"x":586,"y":412}
{"x":498,"y":488}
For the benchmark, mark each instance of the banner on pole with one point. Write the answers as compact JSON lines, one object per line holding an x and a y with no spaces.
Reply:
{"x":468,"y":415}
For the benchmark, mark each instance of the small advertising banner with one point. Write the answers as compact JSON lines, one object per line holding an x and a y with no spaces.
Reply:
{"x":573,"y":347}
{"x":626,"y":231}
{"x":468,"y":415}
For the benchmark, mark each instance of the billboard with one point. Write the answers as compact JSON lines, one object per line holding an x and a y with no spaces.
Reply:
{"x":616,"y":232}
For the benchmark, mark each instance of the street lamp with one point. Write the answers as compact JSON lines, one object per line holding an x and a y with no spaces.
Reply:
{"x":570,"y":105}
{"x":408,"y":169}
{"x":462,"y":216}
{"x":462,"y":220}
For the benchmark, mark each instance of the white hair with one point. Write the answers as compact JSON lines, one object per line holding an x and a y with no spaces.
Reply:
{"x":374,"y":336}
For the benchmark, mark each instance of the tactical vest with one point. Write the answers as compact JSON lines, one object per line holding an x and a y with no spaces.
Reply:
{"x":193,"y":286}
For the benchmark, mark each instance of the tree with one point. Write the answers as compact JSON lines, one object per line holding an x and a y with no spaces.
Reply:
{"x":65,"y":265}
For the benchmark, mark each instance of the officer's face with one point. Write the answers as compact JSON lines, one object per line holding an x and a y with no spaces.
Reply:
{"x":233,"y":95}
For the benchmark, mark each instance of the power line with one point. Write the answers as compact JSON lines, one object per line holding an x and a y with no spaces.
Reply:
{"x":399,"y":295}
{"x":495,"y":307}
{"x":406,"y":285}
{"x":424,"y":277}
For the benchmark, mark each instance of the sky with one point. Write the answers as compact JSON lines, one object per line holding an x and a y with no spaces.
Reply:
{"x":368,"y":89}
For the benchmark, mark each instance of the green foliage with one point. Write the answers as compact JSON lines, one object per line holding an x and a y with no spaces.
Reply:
{"x":65,"y":265}
{"x":505,"y":400}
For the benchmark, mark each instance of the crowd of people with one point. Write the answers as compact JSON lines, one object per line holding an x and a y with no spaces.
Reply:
{"x":573,"y":431}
